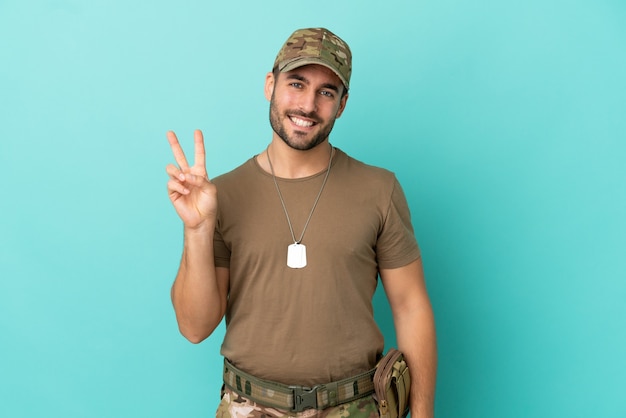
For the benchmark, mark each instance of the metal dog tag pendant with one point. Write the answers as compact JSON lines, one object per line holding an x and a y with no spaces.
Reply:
{"x":296,"y":256}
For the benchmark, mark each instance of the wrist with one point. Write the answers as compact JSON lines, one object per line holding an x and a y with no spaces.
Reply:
{"x":202,"y":229}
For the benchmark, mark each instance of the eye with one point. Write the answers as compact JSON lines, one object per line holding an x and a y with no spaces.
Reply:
{"x":327,"y":93}
{"x":296,"y":85}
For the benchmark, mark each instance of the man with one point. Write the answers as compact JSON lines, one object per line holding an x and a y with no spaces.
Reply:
{"x":292,"y":253}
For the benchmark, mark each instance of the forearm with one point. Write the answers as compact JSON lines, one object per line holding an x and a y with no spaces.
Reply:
{"x":198,"y":300}
{"x":417,"y":341}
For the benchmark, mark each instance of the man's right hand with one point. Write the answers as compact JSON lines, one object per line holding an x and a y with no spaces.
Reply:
{"x":194,"y":197}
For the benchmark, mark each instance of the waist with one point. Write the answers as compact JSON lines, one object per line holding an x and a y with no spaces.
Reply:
{"x":304,"y":359}
{"x":297,"y":398}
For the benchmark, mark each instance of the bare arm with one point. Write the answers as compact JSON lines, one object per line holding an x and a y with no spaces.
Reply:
{"x":415,"y":330}
{"x":200,"y":290}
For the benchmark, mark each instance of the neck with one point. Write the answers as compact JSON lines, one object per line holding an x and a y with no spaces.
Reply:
{"x":291,"y":163}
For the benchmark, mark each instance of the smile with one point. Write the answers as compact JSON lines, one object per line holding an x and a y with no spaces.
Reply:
{"x":301,"y":122}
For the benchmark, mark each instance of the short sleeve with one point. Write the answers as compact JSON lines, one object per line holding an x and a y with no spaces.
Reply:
{"x":396,"y":245}
{"x":220,"y":250}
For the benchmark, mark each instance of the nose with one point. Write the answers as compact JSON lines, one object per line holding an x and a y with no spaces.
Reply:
{"x":308,"y":102}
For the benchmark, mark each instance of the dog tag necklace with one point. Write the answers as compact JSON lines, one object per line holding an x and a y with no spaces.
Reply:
{"x":296,"y":252}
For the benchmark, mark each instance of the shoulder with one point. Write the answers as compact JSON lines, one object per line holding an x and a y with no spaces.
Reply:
{"x":244,"y":171}
{"x":364,"y":173}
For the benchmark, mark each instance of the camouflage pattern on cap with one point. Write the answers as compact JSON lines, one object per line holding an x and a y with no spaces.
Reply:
{"x":316,"y":46}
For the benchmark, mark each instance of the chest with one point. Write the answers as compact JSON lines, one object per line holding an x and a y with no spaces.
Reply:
{"x":344,"y":223}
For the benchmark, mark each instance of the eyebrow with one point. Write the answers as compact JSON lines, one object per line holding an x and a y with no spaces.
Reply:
{"x":303,"y":79}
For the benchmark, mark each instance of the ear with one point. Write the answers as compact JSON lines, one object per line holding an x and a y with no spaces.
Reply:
{"x":269,"y":85}
{"x":342,"y":106}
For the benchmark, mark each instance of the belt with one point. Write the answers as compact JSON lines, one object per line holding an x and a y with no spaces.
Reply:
{"x":298,"y":398}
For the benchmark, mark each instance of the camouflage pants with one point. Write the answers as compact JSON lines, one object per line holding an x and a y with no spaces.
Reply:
{"x":236,"y":406}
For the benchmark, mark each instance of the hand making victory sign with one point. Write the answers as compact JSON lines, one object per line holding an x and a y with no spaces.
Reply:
{"x":194,"y":197}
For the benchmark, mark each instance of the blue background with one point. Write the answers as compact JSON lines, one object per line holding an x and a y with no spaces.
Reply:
{"x":504,"y":121}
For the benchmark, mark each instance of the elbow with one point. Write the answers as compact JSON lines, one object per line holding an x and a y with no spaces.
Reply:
{"x":194,"y":337}
{"x":195,"y":334}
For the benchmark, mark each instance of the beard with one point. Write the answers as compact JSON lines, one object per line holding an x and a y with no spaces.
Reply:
{"x":298,"y":139}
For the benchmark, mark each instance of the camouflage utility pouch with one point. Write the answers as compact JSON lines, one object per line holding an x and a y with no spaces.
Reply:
{"x":391,"y":385}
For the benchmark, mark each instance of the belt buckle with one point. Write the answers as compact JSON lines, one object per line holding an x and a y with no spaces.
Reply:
{"x":304,"y":398}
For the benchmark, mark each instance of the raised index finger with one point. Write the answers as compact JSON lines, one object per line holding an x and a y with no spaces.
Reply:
{"x":179,"y":155}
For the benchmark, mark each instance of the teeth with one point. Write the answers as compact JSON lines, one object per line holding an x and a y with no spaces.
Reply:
{"x":300,"y":122}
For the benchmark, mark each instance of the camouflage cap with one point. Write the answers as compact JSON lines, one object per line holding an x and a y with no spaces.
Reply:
{"x":316,"y":46}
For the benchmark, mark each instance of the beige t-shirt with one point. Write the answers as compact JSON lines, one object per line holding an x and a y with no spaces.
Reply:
{"x":315,"y":324}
